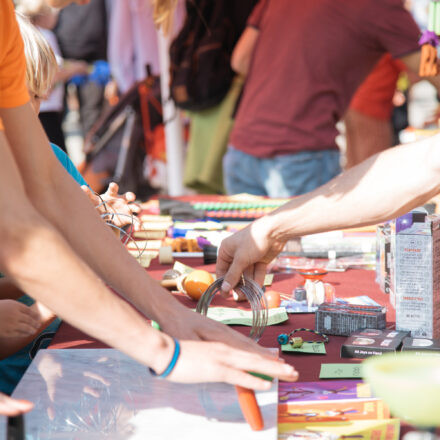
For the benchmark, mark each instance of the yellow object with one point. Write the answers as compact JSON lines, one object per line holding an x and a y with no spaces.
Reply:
{"x":409,"y":384}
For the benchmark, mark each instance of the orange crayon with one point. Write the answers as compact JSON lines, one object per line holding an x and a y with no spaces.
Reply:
{"x":249,"y":408}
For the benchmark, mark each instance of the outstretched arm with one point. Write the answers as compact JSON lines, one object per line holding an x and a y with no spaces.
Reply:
{"x":55,"y":245}
{"x":380,"y":188}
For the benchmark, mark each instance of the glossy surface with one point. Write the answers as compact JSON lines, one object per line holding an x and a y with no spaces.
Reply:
{"x":409,"y":384}
{"x":273,"y":298}
{"x":314,"y":274}
{"x":103,"y":394}
{"x":196,"y":283}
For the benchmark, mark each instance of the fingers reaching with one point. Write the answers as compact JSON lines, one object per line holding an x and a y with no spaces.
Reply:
{"x":13,"y":407}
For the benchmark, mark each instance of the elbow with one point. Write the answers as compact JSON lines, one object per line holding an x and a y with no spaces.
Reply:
{"x":239,"y":65}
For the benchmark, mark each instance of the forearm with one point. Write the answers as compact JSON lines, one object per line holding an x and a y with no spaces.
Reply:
{"x":41,"y":263}
{"x":77,"y":295}
{"x":59,"y":199}
{"x":380,"y":188}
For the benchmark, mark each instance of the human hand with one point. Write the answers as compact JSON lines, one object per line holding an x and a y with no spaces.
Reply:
{"x":76,"y":67}
{"x":184,"y":324}
{"x":17,"y":319}
{"x":112,"y":202}
{"x":45,"y":315}
{"x":13,"y":407}
{"x":248,"y":251}
{"x":219,"y":362}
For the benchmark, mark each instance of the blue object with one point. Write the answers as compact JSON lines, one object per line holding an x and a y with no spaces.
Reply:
{"x":279,"y":176}
{"x":283,"y":339}
{"x":68,"y":164}
{"x":100,"y":74}
{"x":172,"y":363}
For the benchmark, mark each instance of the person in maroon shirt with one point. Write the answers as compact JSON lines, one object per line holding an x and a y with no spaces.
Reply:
{"x":304,"y":62}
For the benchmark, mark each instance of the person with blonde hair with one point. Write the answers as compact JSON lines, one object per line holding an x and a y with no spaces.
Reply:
{"x":56,"y":248}
{"x":26,"y":326}
{"x":52,"y":104}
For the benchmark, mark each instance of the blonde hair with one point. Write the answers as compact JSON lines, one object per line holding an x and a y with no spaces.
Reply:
{"x":32,"y":8}
{"x":163,"y":11}
{"x":41,"y":64}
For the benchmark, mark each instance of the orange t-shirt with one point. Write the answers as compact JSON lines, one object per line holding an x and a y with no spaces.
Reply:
{"x":374,"y":97}
{"x":13,"y":90}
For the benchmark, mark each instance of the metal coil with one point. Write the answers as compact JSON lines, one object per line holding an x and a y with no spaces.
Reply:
{"x":254,"y":295}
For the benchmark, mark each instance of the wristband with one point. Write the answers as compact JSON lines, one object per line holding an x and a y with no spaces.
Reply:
{"x":172,"y":363}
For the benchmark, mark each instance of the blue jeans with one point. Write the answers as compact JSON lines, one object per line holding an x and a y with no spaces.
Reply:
{"x":279,"y":176}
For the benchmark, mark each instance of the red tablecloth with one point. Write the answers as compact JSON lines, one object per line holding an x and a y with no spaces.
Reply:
{"x":350,"y":283}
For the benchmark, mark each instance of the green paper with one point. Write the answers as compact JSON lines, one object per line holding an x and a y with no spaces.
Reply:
{"x":155,"y":325}
{"x":431,"y":16}
{"x":233,"y":316}
{"x":308,"y":347}
{"x":437,"y":18}
{"x":340,"y":371}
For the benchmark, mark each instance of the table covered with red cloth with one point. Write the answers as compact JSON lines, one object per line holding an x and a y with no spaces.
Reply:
{"x":347,"y":284}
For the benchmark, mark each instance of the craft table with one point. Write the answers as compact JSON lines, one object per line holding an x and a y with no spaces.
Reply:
{"x":347,"y":284}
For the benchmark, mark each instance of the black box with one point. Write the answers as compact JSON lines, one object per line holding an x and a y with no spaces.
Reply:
{"x":371,"y":342}
{"x":344,"y":319}
{"x":421,"y":346}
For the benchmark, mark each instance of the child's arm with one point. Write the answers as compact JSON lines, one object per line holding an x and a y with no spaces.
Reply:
{"x":13,"y":407}
{"x":59,"y":200}
{"x":112,"y":202}
{"x":41,"y":241}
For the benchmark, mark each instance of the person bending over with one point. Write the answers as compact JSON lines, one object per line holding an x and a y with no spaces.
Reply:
{"x":48,"y":226}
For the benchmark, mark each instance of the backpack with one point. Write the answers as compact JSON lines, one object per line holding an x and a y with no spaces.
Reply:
{"x":200,"y":54}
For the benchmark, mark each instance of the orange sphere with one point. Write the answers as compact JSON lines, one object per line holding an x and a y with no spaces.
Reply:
{"x":273,"y":298}
{"x":196,"y":283}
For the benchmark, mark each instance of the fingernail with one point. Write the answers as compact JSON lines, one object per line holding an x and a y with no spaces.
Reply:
{"x":226,"y":287}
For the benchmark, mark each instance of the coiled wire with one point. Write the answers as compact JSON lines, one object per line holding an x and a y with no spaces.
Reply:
{"x":254,"y":295}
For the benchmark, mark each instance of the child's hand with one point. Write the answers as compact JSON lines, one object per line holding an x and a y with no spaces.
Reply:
{"x":45,"y":315}
{"x":115,"y":203}
{"x":17,"y":319}
{"x":13,"y":407}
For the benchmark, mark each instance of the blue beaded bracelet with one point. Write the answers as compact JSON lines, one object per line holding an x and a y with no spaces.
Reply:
{"x":172,"y":363}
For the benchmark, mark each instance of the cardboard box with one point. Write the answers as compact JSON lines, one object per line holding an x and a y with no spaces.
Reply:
{"x":372,"y":342}
{"x":344,"y":319}
{"x":422,"y":346}
{"x":386,"y":429}
{"x":417,"y":275}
